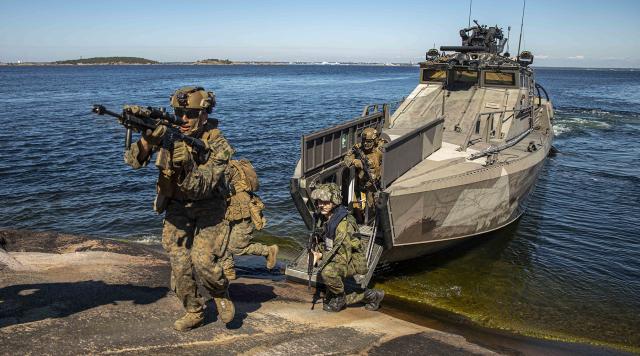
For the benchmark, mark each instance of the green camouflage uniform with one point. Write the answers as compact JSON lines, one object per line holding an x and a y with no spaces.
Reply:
{"x":344,"y":263}
{"x":195,"y":232}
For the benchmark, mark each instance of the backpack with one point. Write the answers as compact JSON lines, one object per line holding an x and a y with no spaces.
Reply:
{"x":248,"y":175}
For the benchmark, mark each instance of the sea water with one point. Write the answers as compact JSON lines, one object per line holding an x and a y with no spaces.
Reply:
{"x":569,"y":269}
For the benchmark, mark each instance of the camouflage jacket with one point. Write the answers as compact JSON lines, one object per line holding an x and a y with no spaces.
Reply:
{"x":344,"y":234}
{"x":374,"y":160}
{"x":201,"y":183}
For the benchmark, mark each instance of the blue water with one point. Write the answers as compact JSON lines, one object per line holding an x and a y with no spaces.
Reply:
{"x":575,"y":252}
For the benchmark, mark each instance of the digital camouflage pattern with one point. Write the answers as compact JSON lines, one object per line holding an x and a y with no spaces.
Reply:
{"x":241,"y":221}
{"x":194,"y":236}
{"x":240,"y":239}
{"x":374,"y":160}
{"x":201,"y":182}
{"x":195,"y":233}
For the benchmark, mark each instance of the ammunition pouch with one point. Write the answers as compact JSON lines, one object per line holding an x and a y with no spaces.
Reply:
{"x":163,"y":159}
{"x":256,"y":206}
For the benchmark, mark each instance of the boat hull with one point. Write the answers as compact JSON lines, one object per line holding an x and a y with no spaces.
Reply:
{"x":439,"y":215}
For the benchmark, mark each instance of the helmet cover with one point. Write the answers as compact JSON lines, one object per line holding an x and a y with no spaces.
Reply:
{"x":327,"y":192}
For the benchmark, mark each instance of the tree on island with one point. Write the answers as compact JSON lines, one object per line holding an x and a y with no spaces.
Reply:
{"x":108,"y":60}
{"x":215,"y":61}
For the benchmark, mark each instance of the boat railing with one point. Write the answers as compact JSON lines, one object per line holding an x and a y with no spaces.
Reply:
{"x":489,"y":125}
{"x":411,"y":148}
{"x":326,"y":147}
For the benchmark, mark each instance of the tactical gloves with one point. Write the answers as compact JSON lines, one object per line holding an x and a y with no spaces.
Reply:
{"x":357,"y":163}
{"x":155,"y":137}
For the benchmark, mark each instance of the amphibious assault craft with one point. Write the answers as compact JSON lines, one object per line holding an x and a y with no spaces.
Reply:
{"x":462,"y":155}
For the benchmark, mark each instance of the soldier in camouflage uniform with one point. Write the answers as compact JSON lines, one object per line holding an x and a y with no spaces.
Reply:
{"x":244,"y":213}
{"x":371,"y":147}
{"x":195,"y":232}
{"x":343,"y":249}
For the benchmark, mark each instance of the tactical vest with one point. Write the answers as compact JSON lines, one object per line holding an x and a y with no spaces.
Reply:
{"x":355,"y":256}
{"x":167,"y":185}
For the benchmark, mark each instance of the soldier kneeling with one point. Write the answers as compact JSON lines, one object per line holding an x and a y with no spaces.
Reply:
{"x":342,"y":250}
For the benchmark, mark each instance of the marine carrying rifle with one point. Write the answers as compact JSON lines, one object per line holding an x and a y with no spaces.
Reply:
{"x":141,"y":119}
{"x":365,"y":168}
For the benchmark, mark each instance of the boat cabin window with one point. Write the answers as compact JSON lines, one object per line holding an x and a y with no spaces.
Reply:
{"x":465,"y":76}
{"x":500,"y":78}
{"x":434,"y":75}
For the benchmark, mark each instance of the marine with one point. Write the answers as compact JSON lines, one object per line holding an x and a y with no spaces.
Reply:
{"x":191,"y":193}
{"x":244,"y":214}
{"x":367,"y":173}
{"x":340,"y":252}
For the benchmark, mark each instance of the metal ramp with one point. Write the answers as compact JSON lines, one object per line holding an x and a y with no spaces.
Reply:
{"x":297,"y":270}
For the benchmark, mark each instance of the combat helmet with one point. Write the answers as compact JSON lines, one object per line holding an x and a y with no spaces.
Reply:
{"x":192,"y":97}
{"x":327,"y":192}
{"x":369,"y":136}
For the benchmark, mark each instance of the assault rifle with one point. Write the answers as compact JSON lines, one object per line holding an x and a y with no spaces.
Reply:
{"x":314,"y":239}
{"x":365,"y":168}
{"x":139,"y":119}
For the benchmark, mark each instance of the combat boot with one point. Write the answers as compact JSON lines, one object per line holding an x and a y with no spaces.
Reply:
{"x":226,"y":309}
{"x":272,"y":257}
{"x":189,"y":321}
{"x":372,"y":298}
{"x":336,"y":304}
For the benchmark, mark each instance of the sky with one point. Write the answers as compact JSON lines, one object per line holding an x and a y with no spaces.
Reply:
{"x":566,"y":33}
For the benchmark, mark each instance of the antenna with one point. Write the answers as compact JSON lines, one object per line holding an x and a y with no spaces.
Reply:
{"x":524,"y":3}
{"x":470,"y":2}
{"x":508,"y":39}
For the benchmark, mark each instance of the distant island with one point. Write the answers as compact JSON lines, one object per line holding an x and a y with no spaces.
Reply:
{"x":215,"y":61}
{"x":209,"y":61}
{"x":107,"y":60}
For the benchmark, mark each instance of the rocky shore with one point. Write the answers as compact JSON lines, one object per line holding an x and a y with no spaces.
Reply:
{"x":64,"y":294}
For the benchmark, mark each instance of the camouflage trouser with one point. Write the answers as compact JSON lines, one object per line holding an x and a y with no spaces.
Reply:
{"x":240,"y":242}
{"x":333,"y":275}
{"x":195,"y":237}
{"x":369,"y":209}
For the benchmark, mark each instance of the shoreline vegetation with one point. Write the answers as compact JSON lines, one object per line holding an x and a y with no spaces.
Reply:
{"x":208,"y":61}
{"x":128,"y":61}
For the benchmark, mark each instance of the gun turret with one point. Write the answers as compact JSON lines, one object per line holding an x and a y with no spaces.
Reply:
{"x":479,"y":38}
